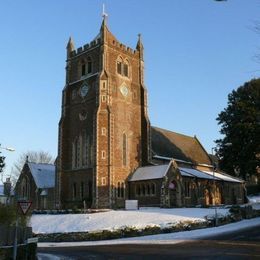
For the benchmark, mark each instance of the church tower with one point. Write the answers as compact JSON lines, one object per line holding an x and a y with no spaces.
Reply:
{"x":104,"y":127}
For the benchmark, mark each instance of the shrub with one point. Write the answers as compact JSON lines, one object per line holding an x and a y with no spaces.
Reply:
{"x":7,"y":215}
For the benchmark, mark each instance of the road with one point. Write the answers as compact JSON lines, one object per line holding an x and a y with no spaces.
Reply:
{"x":243,"y":244}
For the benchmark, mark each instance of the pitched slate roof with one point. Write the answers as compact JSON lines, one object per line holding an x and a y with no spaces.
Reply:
{"x":178,"y":146}
{"x":195,"y":173}
{"x":224,"y":176}
{"x":43,"y":174}
{"x":150,"y":172}
{"x":159,"y":171}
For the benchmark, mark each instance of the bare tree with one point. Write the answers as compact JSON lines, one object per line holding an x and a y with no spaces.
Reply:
{"x":31,"y":156}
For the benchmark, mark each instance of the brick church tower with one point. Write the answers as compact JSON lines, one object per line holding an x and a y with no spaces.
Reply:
{"x":104,"y":130}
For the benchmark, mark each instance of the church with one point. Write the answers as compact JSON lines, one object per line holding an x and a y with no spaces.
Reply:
{"x":107,"y":150}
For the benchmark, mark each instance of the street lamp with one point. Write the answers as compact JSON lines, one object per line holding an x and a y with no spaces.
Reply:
{"x":10,"y":149}
{"x":7,"y":149}
{"x":214,"y":180}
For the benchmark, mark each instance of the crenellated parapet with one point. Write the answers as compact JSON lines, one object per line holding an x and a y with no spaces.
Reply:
{"x":85,"y":47}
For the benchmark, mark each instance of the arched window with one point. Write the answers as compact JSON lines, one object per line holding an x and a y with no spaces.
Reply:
{"x":89,"y":62}
{"x":83,"y":68}
{"x":119,"y":66}
{"x":76,"y":152}
{"x":86,"y":149}
{"x":148,"y":189}
{"x":25,"y":188}
{"x":143,"y":189}
{"x":153,"y":189}
{"x":124,"y":149}
{"x":126,"y":68}
{"x":187,"y":189}
{"x":137,"y":189}
{"x":74,"y":190}
{"x":82,"y":190}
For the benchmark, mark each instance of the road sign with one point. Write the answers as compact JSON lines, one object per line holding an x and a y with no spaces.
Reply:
{"x":24,"y":205}
{"x":32,"y":240}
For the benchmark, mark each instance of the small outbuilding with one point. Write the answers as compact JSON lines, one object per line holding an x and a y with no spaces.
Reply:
{"x":37,"y":184}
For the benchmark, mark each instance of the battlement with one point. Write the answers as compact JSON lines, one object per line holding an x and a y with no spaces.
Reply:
{"x":97,"y":41}
{"x":86,"y":47}
{"x":123,"y":47}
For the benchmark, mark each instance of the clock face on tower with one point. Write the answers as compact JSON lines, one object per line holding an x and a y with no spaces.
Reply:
{"x":84,"y":90}
{"x":124,"y":90}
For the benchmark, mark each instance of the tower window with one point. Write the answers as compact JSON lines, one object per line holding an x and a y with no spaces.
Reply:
{"x":119,"y":67}
{"x":83,"y":69}
{"x":126,"y":70}
{"x":89,"y":65}
{"x":103,"y":154}
{"x":103,"y":98}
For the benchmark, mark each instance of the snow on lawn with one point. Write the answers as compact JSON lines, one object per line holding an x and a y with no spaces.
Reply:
{"x":254,"y":201}
{"x":116,"y":219}
{"x":254,"y":198}
{"x":171,"y":238}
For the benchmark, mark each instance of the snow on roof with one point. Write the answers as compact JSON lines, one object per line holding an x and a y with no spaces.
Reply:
{"x":1,"y":190}
{"x":224,"y":177}
{"x":43,"y":174}
{"x":150,"y":172}
{"x":207,"y":175}
{"x":195,"y":173}
{"x":186,"y":174}
{"x":159,"y":171}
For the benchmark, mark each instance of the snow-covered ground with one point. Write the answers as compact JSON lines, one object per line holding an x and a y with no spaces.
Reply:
{"x":254,"y":198}
{"x":139,"y":219}
{"x":172,"y":238}
{"x":120,"y":218}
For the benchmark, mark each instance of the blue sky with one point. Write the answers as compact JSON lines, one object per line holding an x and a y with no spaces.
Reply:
{"x":196,"y":52}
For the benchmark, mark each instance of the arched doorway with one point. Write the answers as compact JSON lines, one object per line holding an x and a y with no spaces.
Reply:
{"x":174,"y":193}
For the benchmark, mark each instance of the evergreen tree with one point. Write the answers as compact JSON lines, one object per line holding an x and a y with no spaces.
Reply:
{"x":2,"y":162}
{"x":240,"y":126}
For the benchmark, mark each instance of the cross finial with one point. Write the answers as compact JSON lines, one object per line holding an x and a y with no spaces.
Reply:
{"x":104,"y":14}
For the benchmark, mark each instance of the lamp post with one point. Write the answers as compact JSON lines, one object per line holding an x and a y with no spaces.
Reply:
{"x":7,"y":149}
{"x":16,"y":222}
{"x":214,"y":181}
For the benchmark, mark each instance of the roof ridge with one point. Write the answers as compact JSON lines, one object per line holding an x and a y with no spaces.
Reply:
{"x":193,"y":137}
{"x":153,"y":165}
